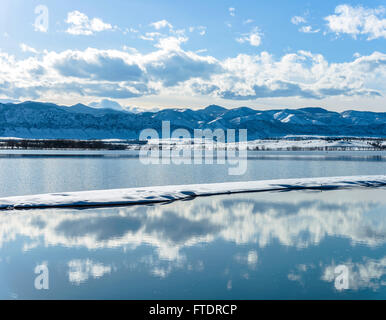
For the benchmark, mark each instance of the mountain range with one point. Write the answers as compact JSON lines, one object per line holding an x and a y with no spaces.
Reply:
{"x":50,"y":121}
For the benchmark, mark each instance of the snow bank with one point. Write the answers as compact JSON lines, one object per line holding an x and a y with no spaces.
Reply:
{"x":285,"y":144}
{"x":115,"y":197}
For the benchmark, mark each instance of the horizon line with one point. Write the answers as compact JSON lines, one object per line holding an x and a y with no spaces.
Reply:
{"x":151,"y":109}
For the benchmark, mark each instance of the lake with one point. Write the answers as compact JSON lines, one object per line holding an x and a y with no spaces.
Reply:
{"x":270,"y":245}
{"x":31,"y":172}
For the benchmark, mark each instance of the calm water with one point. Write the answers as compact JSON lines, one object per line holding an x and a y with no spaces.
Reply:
{"x":41,"y":172}
{"x":282,"y":245}
{"x":250,"y":246}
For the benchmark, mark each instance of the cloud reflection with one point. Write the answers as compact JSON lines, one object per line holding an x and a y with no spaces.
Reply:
{"x":371,"y":273}
{"x":81,"y":270}
{"x":298,"y":219}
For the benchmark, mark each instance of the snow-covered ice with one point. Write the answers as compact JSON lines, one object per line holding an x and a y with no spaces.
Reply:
{"x":179,"y":192}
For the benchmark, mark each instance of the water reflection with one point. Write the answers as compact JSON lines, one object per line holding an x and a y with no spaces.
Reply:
{"x":233,"y":238}
{"x":369,"y":273}
{"x":54,"y":172}
{"x":81,"y":270}
{"x":297,"y":219}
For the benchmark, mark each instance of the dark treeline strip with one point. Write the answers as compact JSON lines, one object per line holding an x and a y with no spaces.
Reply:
{"x":64,"y":144}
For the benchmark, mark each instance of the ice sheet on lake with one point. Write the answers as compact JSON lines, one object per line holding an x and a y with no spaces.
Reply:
{"x":179,"y":192}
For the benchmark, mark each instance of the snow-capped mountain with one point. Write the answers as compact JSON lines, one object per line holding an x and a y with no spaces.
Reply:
{"x":51,"y":121}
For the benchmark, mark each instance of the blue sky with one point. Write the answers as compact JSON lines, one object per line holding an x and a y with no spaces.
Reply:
{"x":263,"y":54}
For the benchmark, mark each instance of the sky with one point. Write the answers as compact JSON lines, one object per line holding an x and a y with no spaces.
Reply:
{"x":160,"y":54}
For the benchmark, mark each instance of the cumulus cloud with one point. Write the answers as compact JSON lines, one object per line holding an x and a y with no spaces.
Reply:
{"x":172,"y":65}
{"x":298,"y":20}
{"x":104,"y":73}
{"x":178,"y":67}
{"x":112,"y":90}
{"x":169,"y":70}
{"x":107,"y":104}
{"x":171,"y":43}
{"x":81,"y":24}
{"x":277,"y":89}
{"x":358,"y":21}
{"x":26,"y":48}
{"x":161,"y":24}
{"x":253,"y":37}
{"x":300,"y":74}
{"x":96,"y":64}
{"x":308,"y":29}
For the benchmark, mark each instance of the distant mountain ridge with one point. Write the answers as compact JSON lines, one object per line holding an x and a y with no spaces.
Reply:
{"x":50,"y":121}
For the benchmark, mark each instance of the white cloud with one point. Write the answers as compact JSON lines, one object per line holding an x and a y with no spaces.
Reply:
{"x":253,"y":38}
{"x":358,"y":20}
{"x":80,"y":24}
{"x":171,"y":43}
{"x":26,"y":48}
{"x":169,"y":69}
{"x":302,"y":74}
{"x":308,"y":29}
{"x":232,"y":11}
{"x":94,"y":73}
{"x":298,"y":20}
{"x":130,"y":30}
{"x":130,"y":49}
{"x":151,"y":36}
{"x":107,"y":104}
{"x":248,"y":21}
{"x":200,"y":29}
{"x":161,"y":24}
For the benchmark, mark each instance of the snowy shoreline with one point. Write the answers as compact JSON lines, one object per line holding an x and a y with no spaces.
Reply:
{"x":297,"y":143}
{"x":157,"y":194}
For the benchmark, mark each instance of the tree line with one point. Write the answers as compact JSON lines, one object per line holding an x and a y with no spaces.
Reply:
{"x":63,"y":144}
